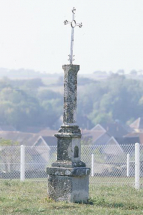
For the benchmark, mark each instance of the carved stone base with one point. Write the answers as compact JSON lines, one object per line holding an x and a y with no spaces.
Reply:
{"x":68,"y":164}
{"x":68,"y":184}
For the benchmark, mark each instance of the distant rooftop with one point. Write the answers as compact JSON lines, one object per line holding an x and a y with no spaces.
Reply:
{"x":137,"y":124}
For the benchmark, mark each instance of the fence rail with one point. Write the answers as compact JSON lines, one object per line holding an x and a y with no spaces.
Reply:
{"x":108,"y":163}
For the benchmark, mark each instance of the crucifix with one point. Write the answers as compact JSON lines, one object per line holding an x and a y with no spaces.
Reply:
{"x":73,"y":25}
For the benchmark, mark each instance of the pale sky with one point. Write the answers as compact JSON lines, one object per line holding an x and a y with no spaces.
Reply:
{"x":33,"y":35}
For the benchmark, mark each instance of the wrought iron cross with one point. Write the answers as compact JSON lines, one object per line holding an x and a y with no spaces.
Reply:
{"x":73,"y":25}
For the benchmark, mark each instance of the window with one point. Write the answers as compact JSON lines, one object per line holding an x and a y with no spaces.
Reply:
{"x":76,"y":152}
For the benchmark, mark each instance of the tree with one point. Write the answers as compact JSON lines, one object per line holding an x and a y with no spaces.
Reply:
{"x":34,"y":83}
{"x":121,"y":72}
{"x":99,"y":101}
{"x":133,"y":72}
{"x":48,"y":95}
{"x":115,"y":98}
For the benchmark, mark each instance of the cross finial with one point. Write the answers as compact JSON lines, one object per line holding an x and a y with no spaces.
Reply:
{"x":73,"y":25}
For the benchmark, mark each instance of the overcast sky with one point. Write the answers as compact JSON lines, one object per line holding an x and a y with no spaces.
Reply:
{"x":33,"y":36}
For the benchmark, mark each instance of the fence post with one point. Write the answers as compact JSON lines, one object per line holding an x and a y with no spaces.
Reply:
{"x":128,"y":165}
{"x":22,"y":163}
{"x":92,"y":165}
{"x":137,"y":166}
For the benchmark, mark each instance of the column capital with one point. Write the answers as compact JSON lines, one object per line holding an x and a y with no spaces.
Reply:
{"x":68,"y":67}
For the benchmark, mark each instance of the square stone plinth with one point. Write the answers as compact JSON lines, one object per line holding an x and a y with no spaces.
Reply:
{"x":71,"y":187}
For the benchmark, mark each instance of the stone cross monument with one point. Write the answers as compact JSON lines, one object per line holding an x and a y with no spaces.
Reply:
{"x":68,"y":178}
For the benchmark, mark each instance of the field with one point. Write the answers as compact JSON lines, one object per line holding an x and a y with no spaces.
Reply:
{"x":31,"y":198}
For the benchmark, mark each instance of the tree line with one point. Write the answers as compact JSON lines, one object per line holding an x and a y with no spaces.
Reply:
{"x":29,"y":102}
{"x":116,"y":98}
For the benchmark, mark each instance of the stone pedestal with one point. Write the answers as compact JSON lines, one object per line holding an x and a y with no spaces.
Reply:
{"x":69,"y":184}
{"x":68,"y":177}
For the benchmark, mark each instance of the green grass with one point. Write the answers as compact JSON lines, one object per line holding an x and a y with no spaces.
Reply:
{"x":115,"y":180}
{"x":31,"y":198}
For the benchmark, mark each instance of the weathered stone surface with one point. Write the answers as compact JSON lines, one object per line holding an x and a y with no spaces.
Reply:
{"x":69,"y":189}
{"x":68,"y":177}
{"x":73,"y":172}
{"x":69,"y":131}
{"x":70,"y":93}
{"x":69,"y":146}
{"x":68,"y":164}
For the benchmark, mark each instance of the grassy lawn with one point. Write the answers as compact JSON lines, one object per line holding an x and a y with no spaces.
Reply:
{"x":115,"y":180}
{"x":31,"y":198}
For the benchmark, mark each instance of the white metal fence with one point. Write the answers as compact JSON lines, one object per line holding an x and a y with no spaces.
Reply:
{"x":109,"y":163}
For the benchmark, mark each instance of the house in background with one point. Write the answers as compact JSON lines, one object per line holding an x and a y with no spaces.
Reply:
{"x":89,"y":137}
{"x":127,"y":142}
{"x":113,"y":151}
{"x":116,"y":129}
{"x":99,"y":139}
{"x":98,"y":127}
{"x":97,"y":135}
{"x":113,"y":147}
{"x":108,"y":154}
{"x":137,"y":125}
{"x":135,"y":137}
{"x":32,"y":129}
{"x":46,"y":146}
{"x":39,"y":149}
{"x":111,"y":140}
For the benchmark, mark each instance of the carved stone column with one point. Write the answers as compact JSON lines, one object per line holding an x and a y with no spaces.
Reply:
{"x":70,"y":93}
{"x":68,"y":176}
